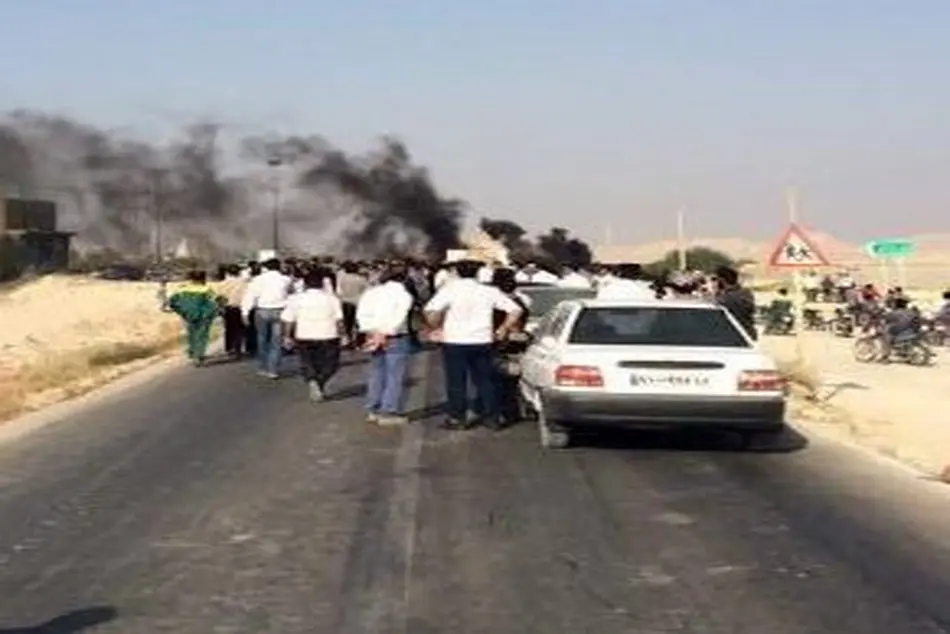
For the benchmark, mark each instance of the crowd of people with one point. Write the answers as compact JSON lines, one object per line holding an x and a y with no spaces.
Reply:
{"x":474,"y":312}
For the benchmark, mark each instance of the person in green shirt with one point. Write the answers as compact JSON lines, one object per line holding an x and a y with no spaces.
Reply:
{"x":198,"y":306}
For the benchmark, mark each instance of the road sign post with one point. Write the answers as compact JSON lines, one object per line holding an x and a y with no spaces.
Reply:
{"x":890,"y":249}
{"x":796,"y":251}
{"x":894,"y":250}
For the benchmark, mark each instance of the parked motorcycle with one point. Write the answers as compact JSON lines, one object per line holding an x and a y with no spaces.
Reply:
{"x":813,"y":320}
{"x":911,"y":350}
{"x":781,"y":325}
{"x":935,"y":333}
{"x":842,"y":325}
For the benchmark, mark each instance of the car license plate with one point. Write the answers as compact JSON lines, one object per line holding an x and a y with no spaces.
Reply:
{"x":669,"y":380}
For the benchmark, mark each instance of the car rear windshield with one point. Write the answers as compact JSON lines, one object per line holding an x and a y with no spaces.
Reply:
{"x":646,"y":326}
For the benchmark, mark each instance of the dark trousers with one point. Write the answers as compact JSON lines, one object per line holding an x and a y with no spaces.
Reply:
{"x":319,"y":360}
{"x":234,"y":335}
{"x":350,"y":327}
{"x":506,"y":391}
{"x":464,"y":362}
{"x":349,"y":319}
{"x":250,"y":335}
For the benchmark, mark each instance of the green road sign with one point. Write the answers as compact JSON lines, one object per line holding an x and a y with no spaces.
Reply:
{"x":897,"y":248}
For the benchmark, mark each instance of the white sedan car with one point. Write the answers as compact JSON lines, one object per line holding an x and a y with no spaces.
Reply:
{"x":636,"y":363}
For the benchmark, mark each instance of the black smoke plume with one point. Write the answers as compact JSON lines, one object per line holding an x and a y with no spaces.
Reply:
{"x":218,"y":193}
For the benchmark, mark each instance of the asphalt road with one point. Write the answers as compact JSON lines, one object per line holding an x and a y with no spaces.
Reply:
{"x":210,"y":501}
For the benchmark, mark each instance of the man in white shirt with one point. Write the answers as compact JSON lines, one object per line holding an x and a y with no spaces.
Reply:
{"x":351,"y":286}
{"x":464,"y":311}
{"x":628,"y":284}
{"x":572,"y":278}
{"x":531,"y":274}
{"x":267,"y":296}
{"x":485,"y":274}
{"x":313,"y":322}
{"x":443,"y":275}
{"x":382,"y":316}
{"x":602,"y":276}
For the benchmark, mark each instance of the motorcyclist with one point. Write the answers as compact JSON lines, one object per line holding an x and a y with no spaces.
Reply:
{"x":779,"y":310}
{"x":900,"y":323}
{"x":942,"y":315}
{"x":737,"y":299}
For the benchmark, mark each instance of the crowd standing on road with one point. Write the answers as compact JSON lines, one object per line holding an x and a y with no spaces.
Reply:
{"x":474,"y":312}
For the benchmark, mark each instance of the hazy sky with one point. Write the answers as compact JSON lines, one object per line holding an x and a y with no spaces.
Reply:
{"x":594,"y":114}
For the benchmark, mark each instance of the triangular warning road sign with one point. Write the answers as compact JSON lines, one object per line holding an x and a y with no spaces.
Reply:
{"x":795,"y":249}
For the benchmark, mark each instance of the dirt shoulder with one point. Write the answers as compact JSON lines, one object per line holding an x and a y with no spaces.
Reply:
{"x":64,"y":335}
{"x":893,"y":409}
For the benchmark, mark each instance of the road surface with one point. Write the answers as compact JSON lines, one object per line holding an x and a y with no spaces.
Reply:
{"x":210,"y":501}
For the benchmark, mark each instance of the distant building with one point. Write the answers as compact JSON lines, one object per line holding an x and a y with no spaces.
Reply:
{"x":29,"y":239}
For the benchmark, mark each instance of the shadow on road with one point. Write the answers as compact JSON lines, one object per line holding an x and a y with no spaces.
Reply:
{"x":426,"y":412}
{"x":223,"y":359}
{"x":357,"y":390}
{"x":707,"y":440}
{"x":75,"y":621}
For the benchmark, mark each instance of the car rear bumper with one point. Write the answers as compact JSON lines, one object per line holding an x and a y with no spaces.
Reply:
{"x":628,"y":410}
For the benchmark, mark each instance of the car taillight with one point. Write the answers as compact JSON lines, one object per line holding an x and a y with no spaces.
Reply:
{"x":578,"y":376}
{"x":761,"y":381}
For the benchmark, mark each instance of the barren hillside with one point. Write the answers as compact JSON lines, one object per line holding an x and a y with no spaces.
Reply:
{"x":929,"y":266}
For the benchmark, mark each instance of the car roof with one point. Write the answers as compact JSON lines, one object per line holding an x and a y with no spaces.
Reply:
{"x":666,"y":303}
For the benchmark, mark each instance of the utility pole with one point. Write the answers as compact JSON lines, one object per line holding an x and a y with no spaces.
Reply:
{"x":681,"y":237}
{"x":156,"y":201}
{"x":791,"y":199}
{"x":275,"y":162}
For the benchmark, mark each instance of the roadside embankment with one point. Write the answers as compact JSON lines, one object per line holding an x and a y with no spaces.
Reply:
{"x":63,"y":336}
{"x":894,"y":409}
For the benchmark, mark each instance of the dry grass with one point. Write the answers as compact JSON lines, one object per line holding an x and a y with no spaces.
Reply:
{"x":61,"y":376}
{"x":66,"y":335}
{"x":803,"y":379}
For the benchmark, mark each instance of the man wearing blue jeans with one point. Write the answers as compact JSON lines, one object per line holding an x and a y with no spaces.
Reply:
{"x":267,"y":296}
{"x":464,"y":309}
{"x":269,"y":351}
{"x":383,"y":315}
{"x":385,"y":385}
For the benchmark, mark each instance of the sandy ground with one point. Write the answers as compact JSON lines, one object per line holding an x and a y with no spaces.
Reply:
{"x":53,"y":326}
{"x":894,"y":409}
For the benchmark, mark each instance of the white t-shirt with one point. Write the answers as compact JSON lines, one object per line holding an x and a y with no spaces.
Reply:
{"x":574,"y":280}
{"x":537,"y":277}
{"x":469,"y":308}
{"x":269,"y":290}
{"x":626,"y":289}
{"x":441,"y":277}
{"x":316,"y":314}
{"x":384,"y":309}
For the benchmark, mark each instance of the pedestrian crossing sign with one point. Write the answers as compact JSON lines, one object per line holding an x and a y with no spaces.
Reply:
{"x":795,"y":250}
